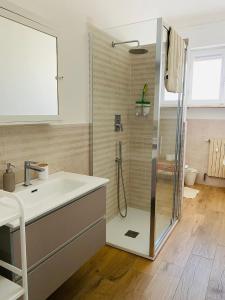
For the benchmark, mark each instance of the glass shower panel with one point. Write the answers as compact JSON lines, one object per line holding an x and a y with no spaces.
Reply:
{"x":168,"y":164}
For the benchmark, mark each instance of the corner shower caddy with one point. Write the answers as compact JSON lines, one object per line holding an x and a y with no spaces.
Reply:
{"x":142,"y":108}
{"x":10,"y":290}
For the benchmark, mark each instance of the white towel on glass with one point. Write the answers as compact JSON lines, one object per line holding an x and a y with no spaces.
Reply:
{"x":175,"y":63}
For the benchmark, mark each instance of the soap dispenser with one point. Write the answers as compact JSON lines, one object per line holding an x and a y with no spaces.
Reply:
{"x":9,"y":181}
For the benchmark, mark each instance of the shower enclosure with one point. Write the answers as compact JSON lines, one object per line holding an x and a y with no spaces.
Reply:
{"x":136,"y":135}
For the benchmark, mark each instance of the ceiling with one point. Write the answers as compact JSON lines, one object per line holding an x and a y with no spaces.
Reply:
{"x":178,"y":12}
{"x":109,"y":13}
{"x":116,"y":12}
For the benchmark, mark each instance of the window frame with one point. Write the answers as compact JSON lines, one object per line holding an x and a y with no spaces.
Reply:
{"x":203,"y":54}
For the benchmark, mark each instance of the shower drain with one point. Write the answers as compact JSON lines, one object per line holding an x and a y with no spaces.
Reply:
{"x":132,"y":234}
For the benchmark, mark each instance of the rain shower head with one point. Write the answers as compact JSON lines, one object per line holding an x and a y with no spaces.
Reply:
{"x":136,"y":50}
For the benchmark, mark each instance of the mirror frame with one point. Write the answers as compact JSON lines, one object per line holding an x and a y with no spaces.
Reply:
{"x":17,"y":16}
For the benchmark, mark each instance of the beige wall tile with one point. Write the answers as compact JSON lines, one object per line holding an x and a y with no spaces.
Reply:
{"x":140,"y":138}
{"x":111,"y":94}
{"x":63,"y":147}
{"x":118,"y":79}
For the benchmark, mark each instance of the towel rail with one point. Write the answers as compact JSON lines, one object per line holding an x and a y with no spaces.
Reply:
{"x":216,"y":159}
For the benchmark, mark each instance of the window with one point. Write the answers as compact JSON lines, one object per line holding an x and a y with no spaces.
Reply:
{"x":206,"y":84}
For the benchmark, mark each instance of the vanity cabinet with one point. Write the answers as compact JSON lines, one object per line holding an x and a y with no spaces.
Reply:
{"x":50,"y":274}
{"x":59,"y":243}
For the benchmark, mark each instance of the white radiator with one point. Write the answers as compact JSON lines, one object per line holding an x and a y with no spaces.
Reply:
{"x":216,"y":165}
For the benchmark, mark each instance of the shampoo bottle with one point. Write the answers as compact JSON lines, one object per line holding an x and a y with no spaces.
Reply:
{"x":9,"y":181}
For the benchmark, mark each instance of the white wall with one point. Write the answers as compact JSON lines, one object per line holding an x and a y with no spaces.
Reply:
{"x":205,"y":35}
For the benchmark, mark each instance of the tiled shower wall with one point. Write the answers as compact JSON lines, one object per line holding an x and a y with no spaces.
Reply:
{"x":63,"y":147}
{"x":140,"y":139}
{"x":118,"y":79}
{"x":111,"y":93}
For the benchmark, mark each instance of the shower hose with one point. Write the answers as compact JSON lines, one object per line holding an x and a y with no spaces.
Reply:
{"x":120,"y":175}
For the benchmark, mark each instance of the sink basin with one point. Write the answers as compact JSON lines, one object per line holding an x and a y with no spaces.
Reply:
{"x":44,"y":196}
{"x":36,"y":194}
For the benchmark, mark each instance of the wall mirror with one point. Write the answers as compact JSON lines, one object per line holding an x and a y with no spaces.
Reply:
{"x":28,"y":72}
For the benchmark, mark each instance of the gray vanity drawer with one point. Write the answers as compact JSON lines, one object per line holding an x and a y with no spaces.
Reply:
{"x":52,"y":273}
{"x":48,"y":233}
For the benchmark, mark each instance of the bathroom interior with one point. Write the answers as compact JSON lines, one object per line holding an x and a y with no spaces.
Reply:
{"x":112,"y":153}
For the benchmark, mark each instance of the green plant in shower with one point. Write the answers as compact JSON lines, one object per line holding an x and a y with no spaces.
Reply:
{"x":144,"y":93}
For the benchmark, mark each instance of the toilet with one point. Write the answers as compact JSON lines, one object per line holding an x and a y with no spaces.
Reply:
{"x":190,"y":175}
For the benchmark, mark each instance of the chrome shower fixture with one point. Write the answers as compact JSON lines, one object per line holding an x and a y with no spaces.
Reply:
{"x":120,"y":179}
{"x":114,"y":44}
{"x":118,"y":126}
{"x":136,"y":50}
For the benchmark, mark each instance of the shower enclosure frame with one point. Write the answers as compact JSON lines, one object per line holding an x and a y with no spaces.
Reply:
{"x":154,"y":246}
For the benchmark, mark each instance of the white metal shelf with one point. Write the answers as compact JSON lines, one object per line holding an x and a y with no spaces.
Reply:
{"x":10,"y":290}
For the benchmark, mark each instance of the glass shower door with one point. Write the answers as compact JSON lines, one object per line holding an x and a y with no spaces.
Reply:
{"x":167,"y":146}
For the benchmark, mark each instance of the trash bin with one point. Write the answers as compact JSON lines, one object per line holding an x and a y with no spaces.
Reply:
{"x":190,"y":176}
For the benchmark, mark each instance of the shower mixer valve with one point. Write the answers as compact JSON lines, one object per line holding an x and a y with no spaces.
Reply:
{"x":117,"y":123}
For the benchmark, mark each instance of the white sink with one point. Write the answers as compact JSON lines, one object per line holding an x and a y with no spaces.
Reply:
{"x":44,"y":196}
{"x":47,"y":191}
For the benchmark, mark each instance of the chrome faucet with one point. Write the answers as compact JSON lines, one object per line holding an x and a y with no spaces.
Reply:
{"x":29,"y":165}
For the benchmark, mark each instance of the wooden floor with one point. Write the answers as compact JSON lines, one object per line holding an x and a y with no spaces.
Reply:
{"x":190,"y":266}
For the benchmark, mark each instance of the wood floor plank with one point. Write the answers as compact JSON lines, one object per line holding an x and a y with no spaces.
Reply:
{"x":220,"y":236}
{"x":178,"y":248}
{"x":194,"y":281}
{"x":147,"y":266}
{"x":216,"y":287}
{"x":215,"y":199}
{"x":164,"y":283}
{"x":133,"y":284}
{"x":210,"y":199}
{"x":206,"y":240}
